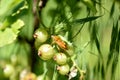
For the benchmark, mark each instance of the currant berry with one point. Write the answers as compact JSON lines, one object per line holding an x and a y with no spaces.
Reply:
{"x":64,"y":69}
{"x":40,"y":35}
{"x":45,"y":52}
{"x":8,"y":70}
{"x":30,"y":76}
{"x":60,"y":58}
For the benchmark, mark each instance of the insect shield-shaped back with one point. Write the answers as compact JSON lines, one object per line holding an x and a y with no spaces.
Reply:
{"x":59,"y":42}
{"x":64,"y":44}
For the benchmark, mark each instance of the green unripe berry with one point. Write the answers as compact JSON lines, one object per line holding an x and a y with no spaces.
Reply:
{"x":60,"y":58}
{"x":8,"y":70}
{"x":40,"y":35}
{"x":64,"y":69}
{"x":30,"y":76}
{"x":45,"y":52}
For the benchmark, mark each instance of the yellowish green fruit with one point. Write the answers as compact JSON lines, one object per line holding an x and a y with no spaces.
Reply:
{"x":60,"y":58}
{"x":8,"y":70}
{"x":45,"y":51}
{"x":64,"y":69}
{"x":40,"y":35}
{"x":30,"y":76}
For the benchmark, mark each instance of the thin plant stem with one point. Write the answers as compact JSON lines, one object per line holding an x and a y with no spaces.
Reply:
{"x":80,"y":28}
{"x":54,"y":74}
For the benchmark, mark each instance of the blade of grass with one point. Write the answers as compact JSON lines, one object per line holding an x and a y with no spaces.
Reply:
{"x":112,"y":9}
{"x":87,"y":19}
{"x":95,"y":39}
{"x":112,"y":43}
{"x":103,"y":72}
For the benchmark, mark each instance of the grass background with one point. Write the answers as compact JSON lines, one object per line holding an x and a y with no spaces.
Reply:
{"x":103,"y":34}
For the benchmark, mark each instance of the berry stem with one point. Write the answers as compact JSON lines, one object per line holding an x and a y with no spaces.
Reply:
{"x":54,"y":73}
{"x":45,"y":67}
{"x":74,"y":64}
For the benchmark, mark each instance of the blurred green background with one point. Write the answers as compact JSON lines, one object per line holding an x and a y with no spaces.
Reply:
{"x":93,"y":27}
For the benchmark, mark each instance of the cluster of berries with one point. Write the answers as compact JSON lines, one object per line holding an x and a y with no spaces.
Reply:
{"x":58,"y":49}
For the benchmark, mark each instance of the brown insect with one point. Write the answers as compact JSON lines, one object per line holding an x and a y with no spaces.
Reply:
{"x":59,"y":42}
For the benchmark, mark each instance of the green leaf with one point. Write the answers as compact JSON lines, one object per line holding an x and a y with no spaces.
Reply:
{"x":6,"y":51}
{"x":21,"y":49}
{"x":27,"y":30}
{"x":58,"y":27}
{"x":17,"y":25}
{"x":6,"y":6}
{"x":114,"y":66}
{"x":10,"y":34}
{"x":98,"y":46}
{"x":7,"y":37}
{"x":102,"y":71}
{"x":113,"y":43}
{"x":20,"y":8}
{"x":95,"y":38}
{"x":83,"y":20}
{"x":23,"y":53}
{"x":112,"y":9}
{"x":7,"y":20}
